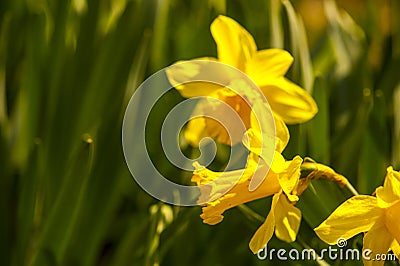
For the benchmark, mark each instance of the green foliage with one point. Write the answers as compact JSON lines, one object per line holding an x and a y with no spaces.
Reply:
{"x":67,"y":71}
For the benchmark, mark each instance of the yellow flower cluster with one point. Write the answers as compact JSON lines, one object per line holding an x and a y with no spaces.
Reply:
{"x":280,"y":178}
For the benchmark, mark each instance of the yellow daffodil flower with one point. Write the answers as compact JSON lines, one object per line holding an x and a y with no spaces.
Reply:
{"x":377,"y":216}
{"x":237,"y":48}
{"x":221,"y":192}
{"x":284,"y":217}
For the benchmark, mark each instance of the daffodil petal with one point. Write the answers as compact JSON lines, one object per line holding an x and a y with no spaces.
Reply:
{"x":268,"y":64}
{"x":391,"y":220}
{"x":266,"y":230}
{"x":292,"y":103}
{"x":279,"y":163}
{"x":224,"y":190}
{"x":395,"y":247}
{"x":252,"y":141}
{"x":262,"y":120}
{"x":390,"y":192}
{"x":260,"y":145}
{"x":195,"y":131}
{"x":267,"y":132}
{"x":289,"y":172}
{"x":282,"y":134}
{"x":201,"y":73}
{"x":264,"y":123}
{"x":356,"y":215}
{"x":378,"y":240}
{"x":223,"y":108}
{"x":234,"y":44}
{"x":288,"y":179}
{"x":287,"y":220}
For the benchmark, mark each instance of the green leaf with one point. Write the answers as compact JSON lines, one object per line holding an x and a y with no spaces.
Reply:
{"x":57,"y":228}
{"x":319,"y":127}
{"x":302,"y":69}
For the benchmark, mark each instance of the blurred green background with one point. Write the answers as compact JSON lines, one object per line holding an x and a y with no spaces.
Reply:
{"x":68,"y":69}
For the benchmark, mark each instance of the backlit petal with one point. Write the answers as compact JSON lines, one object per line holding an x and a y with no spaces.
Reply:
{"x":279,"y":163}
{"x":282,"y":134}
{"x":224,"y":190}
{"x":253,"y":142}
{"x":287,"y":220}
{"x":356,"y":215}
{"x":195,"y":131}
{"x":290,"y":176}
{"x":226,"y":116}
{"x":267,"y":133}
{"x":268,"y":64}
{"x":199,"y":71}
{"x":264,"y":122}
{"x":391,"y":220}
{"x":390,"y":192}
{"x":395,"y":247}
{"x":378,"y":240}
{"x":234,"y":44}
{"x":266,"y":230}
{"x":292,"y":103}
{"x":229,"y":117}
